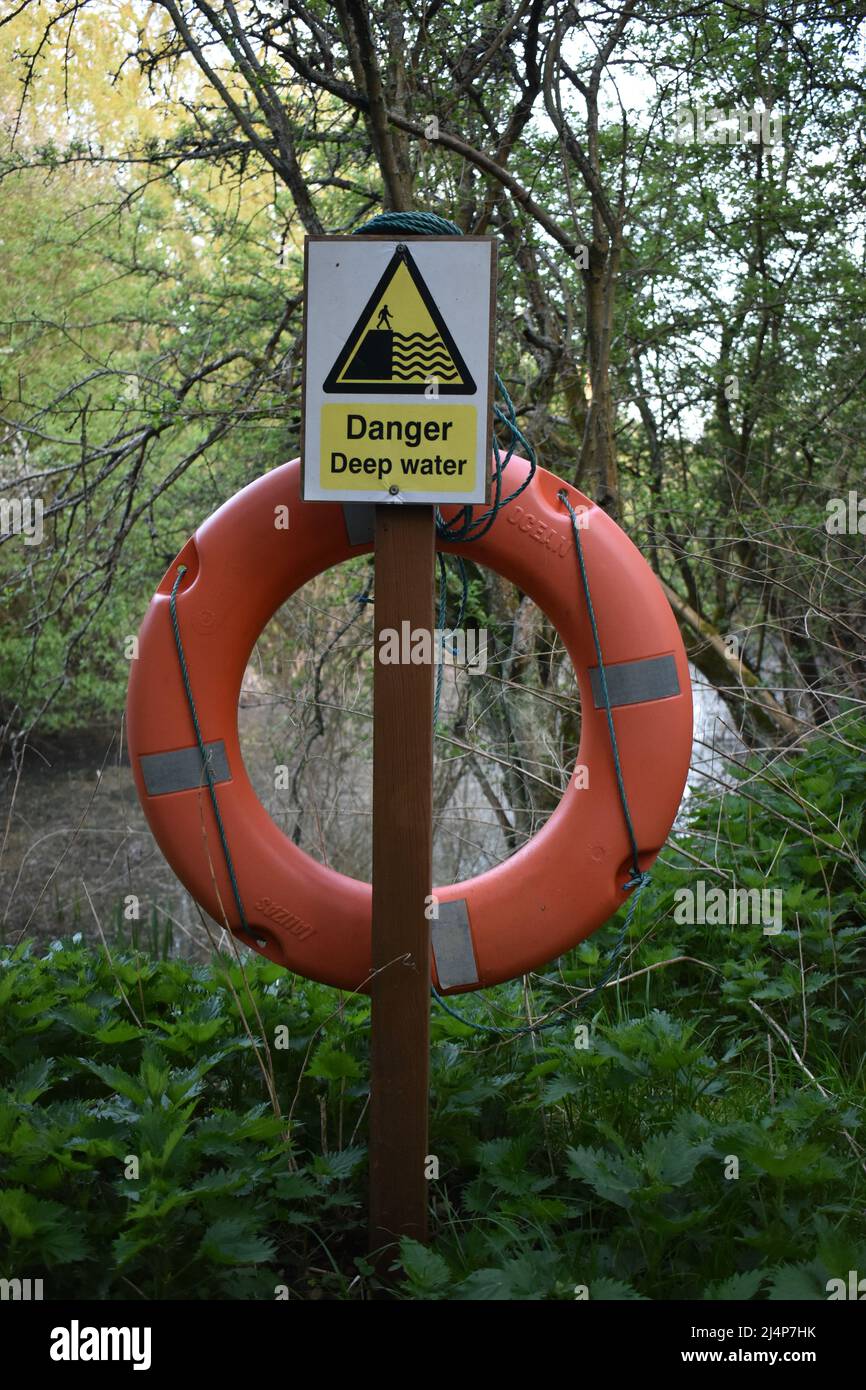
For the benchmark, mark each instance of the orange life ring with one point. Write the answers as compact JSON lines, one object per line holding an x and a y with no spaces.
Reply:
{"x":567,"y":881}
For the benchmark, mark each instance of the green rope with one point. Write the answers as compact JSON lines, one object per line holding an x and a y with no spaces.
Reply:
{"x":419,"y":223}
{"x":205,"y":755}
{"x":639,"y":879}
{"x":443,"y":597}
{"x":440,"y":624}
{"x":637,"y":873}
{"x":464,"y":527}
{"x":613,"y":963}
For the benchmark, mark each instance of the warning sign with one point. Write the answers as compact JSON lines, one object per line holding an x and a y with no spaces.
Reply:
{"x":400,"y":340}
{"x":397,"y":368}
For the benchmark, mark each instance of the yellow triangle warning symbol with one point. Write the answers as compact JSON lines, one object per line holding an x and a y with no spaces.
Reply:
{"x":400,"y":344}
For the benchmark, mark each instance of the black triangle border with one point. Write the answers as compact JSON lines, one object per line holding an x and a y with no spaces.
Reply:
{"x":335,"y":387}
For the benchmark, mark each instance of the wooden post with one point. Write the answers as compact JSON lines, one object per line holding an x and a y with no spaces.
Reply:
{"x":402,"y":880}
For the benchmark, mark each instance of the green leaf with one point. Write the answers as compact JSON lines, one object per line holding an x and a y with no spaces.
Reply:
{"x":614,"y":1290}
{"x":557,"y":1088}
{"x":670,"y":1159}
{"x":64,"y":1243}
{"x":332,"y":1065}
{"x":119,"y":1032}
{"x":293,"y":1187}
{"x":336,"y":1166}
{"x":130,"y":1244}
{"x":20,"y":1213}
{"x":31,"y":1082}
{"x":801,"y":1283}
{"x":485,"y":1285}
{"x":610,"y":1175}
{"x":154,"y":1074}
{"x":786,"y":1165}
{"x":77,"y":1016}
{"x":427,"y":1271}
{"x":52,"y":1233}
{"x":117,"y":1080}
{"x":234,"y":1241}
{"x":739,"y":1286}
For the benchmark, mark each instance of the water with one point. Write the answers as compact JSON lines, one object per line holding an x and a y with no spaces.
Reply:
{"x":78,"y":853}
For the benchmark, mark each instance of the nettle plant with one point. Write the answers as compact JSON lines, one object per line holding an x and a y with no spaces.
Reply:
{"x":180,"y":1130}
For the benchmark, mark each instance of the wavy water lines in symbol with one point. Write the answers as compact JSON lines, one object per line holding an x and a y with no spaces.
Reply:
{"x":421,"y":356}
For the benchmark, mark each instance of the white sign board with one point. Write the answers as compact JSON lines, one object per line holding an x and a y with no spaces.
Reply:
{"x":398,"y":368}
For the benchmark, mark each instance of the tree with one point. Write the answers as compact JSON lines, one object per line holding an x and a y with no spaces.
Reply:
{"x":651,"y":304}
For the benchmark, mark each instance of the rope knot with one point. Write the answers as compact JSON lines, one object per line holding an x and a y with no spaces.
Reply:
{"x":639,"y":879}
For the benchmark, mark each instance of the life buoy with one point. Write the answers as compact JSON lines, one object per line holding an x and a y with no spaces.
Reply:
{"x":562,"y":885}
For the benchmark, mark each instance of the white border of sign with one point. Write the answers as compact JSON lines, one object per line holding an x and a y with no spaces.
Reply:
{"x":340,"y":274}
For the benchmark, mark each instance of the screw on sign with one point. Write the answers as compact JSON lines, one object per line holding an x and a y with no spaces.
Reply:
{"x":606,"y":604}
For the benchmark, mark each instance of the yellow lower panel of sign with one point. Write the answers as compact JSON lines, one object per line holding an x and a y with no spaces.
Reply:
{"x":418,"y":448}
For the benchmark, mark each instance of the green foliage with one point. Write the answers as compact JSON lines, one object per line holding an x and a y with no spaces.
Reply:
{"x":562,"y":1169}
{"x":150,"y":307}
{"x":110,"y":1061}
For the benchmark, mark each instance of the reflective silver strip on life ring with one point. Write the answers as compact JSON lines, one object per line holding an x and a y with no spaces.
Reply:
{"x":633,"y":682}
{"x":360,"y":519}
{"x":181,"y":770}
{"x":453,"y":951}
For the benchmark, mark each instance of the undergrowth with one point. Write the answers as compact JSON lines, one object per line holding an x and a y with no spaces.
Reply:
{"x":158,"y":1140}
